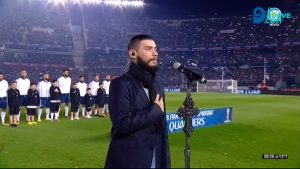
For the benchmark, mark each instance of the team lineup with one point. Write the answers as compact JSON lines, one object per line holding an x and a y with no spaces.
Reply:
{"x":50,"y":96}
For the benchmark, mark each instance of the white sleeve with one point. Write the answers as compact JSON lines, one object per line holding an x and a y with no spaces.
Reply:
{"x":17,"y":80}
{"x":7,"y":87}
{"x":70,"y":86}
{"x":58,"y":82}
{"x":28,"y":84}
{"x":38,"y":86}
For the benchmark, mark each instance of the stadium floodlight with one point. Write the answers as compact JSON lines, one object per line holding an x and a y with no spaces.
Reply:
{"x":76,"y":1}
{"x":92,"y":2}
{"x":124,"y":3}
{"x":115,"y":3}
{"x":56,"y":2}
{"x":110,"y":2}
{"x":137,"y":3}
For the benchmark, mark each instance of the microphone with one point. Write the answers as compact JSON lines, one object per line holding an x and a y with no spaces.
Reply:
{"x":189,"y":73}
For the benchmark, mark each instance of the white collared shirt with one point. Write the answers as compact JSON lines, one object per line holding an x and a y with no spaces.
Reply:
{"x":23,"y":85}
{"x":106,"y":85}
{"x":82,"y":88}
{"x":64,"y":84}
{"x":94,"y":87}
{"x":44,"y":88}
{"x":3,"y":88}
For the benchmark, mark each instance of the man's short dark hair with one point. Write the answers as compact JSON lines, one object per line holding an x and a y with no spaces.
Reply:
{"x":135,"y":40}
{"x":54,"y":80}
{"x":1,"y":73}
{"x":32,"y":83}
{"x":65,"y":70}
{"x":81,"y":76}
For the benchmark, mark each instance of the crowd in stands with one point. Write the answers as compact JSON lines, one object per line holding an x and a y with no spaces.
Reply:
{"x":232,"y":45}
{"x":37,"y":26}
{"x":245,"y":66}
{"x":195,"y":33}
{"x":37,"y":64}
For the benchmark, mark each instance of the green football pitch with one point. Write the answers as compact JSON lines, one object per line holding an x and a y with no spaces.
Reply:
{"x":261,"y":125}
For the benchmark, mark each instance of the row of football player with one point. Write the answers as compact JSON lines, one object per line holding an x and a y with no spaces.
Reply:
{"x":41,"y":96}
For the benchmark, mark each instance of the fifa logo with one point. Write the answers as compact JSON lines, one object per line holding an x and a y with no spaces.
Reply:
{"x":272,"y":17}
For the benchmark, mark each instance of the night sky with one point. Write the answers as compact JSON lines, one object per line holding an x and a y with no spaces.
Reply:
{"x":210,"y":8}
{"x":185,"y":9}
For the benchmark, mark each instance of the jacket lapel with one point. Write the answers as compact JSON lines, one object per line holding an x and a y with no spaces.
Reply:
{"x":139,"y":87}
{"x":141,"y":91}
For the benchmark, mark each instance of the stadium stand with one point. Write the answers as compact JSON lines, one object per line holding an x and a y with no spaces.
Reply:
{"x":33,"y":41}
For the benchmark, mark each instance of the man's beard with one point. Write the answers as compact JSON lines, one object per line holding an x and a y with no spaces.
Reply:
{"x":144,"y":65}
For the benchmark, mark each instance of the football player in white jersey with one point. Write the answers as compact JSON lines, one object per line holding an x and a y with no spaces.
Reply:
{"x":23,"y":84}
{"x":106,"y":85}
{"x":3,"y":97}
{"x":82,"y":86}
{"x":94,"y":85}
{"x":64,"y":84}
{"x":44,"y":90}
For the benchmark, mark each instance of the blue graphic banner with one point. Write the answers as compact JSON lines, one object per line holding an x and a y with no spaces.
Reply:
{"x":249,"y":91}
{"x":205,"y":118}
{"x":172,"y":89}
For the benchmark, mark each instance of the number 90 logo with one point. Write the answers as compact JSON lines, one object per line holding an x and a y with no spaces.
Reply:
{"x":259,"y":15}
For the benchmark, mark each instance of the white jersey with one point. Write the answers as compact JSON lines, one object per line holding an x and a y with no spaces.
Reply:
{"x":106,"y":85}
{"x":82,"y":88}
{"x":3,"y":88}
{"x":94,"y":87}
{"x":64,"y":84}
{"x":44,"y":88}
{"x":23,"y":85}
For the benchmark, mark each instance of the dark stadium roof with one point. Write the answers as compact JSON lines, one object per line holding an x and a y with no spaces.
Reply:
{"x":209,"y":8}
{"x":182,"y":9}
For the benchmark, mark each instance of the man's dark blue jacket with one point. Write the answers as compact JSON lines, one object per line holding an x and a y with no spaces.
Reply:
{"x":138,"y":126}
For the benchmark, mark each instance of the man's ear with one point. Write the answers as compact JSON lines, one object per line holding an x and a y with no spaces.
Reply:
{"x":132,"y":54}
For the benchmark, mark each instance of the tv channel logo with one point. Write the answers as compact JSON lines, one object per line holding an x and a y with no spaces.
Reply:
{"x":272,"y":17}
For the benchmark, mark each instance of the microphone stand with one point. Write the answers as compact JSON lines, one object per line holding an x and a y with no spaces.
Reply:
{"x":187,"y":112}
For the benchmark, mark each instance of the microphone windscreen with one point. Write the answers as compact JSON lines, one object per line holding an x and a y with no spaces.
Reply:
{"x":176,"y":65}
